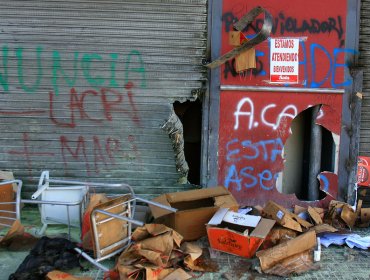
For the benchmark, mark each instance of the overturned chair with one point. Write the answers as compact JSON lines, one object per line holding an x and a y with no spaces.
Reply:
{"x":64,"y":202}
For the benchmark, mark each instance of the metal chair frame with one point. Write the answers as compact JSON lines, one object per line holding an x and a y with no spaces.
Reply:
{"x":127,"y":215}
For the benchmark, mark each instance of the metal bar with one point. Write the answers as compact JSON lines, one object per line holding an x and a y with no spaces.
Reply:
{"x":354,"y":147}
{"x":111,"y":218}
{"x":91,"y":260}
{"x":157,"y":204}
{"x":30,"y":201}
{"x":17,"y":198}
{"x":5,"y":225}
{"x":7,"y":218}
{"x":315,"y":156}
{"x":281,"y":89}
{"x":9,"y":212}
{"x":119,"y":217}
{"x":261,"y":36}
{"x":214,"y":96}
{"x":70,"y":182}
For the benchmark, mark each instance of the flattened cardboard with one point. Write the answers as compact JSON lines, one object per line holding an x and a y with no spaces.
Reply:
{"x":365,"y":215}
{"x":237,"y":242}
{"x":348,"y":215}
{"x":270,"y":257}
{"x":296,"y":264}
{"x":58,"y":275}
{"x":283,"y":217}
{"x":246,"y":60}
{"x":236,"y":38}
{"x":195,"y":209}
{"x":323,"y":228}
{"x":314,"y":215}
{"x":277,"y":235}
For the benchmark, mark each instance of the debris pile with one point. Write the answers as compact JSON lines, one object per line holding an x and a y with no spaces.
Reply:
{"x":186,"y":229}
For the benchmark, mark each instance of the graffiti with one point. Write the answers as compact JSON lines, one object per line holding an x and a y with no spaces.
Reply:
{"x":283,"y":24}
{"x":104,"y":151}
{"x":308,"y":66}
{"x":27,"y":153}
{"x":264,"y":150}
{"x":313,"y":55}
{"x":110,"y":101}
{"x":84,"y":65}
{"x":246,"y":108}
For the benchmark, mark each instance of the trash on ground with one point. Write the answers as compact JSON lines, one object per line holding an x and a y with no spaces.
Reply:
{"x":284,"y":217}
{"x":48,"y":254}
{"x":351,"y":240}
{"x":195,"y":209}
{"x":58,"y":275}
{"x":237,"y":233}
{"x":292,"y":256}
{"x":157,"y":253}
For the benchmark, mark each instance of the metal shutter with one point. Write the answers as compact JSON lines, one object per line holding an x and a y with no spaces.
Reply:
{"x":365,"y":61}
{"x":87,"y":86}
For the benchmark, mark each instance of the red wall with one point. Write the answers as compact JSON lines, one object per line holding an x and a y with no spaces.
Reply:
{"x":252,"y":137}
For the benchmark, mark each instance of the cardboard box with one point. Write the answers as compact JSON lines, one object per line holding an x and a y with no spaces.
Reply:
{"x":285,"y":218}
{"x":290,"y":251}
{"x":237,"y":234}
{"x":246,"y":60}
{"x":195,"y":209}
{"x":236,"y":38}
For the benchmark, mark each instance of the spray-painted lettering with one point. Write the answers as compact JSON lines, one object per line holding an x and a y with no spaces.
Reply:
{"x":85,"y":65}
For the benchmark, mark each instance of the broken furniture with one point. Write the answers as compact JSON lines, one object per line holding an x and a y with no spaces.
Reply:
{"x":10,"y":202}
{"x":63,"y":202}
{"x":111,"y":226}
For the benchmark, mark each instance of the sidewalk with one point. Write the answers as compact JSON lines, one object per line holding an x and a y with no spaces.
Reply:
{"x":337,"y":262}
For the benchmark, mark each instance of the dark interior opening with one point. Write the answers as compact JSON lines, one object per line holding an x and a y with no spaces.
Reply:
{"x":242,"y":229}
{"x":297,"y":155}
{"x":190,"y":114}
{"x":194,"y":204}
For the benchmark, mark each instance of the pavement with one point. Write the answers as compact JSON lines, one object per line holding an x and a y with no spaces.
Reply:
{"x":337,"y":262}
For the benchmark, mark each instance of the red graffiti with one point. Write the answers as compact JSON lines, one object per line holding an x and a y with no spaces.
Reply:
{"x":110,"y":101}
{"x":27,"y":153}
{"x":22,"y":113}
{"x":104,"y":152}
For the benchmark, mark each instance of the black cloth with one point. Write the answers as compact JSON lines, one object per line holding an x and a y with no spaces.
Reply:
{"x":47,"y":255}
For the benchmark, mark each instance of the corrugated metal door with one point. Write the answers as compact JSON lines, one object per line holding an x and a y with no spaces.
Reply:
{"x":86,"y":87}
{"x":365,"y":61}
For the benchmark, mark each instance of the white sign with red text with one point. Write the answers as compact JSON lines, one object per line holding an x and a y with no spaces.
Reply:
{"x":284,"y":60}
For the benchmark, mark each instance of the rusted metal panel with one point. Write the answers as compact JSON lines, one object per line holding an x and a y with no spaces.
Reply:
{"x":255,"y":125}
{"x":86,"y":87}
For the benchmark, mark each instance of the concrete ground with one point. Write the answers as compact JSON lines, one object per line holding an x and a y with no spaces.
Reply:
{"x":337,"y":262}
